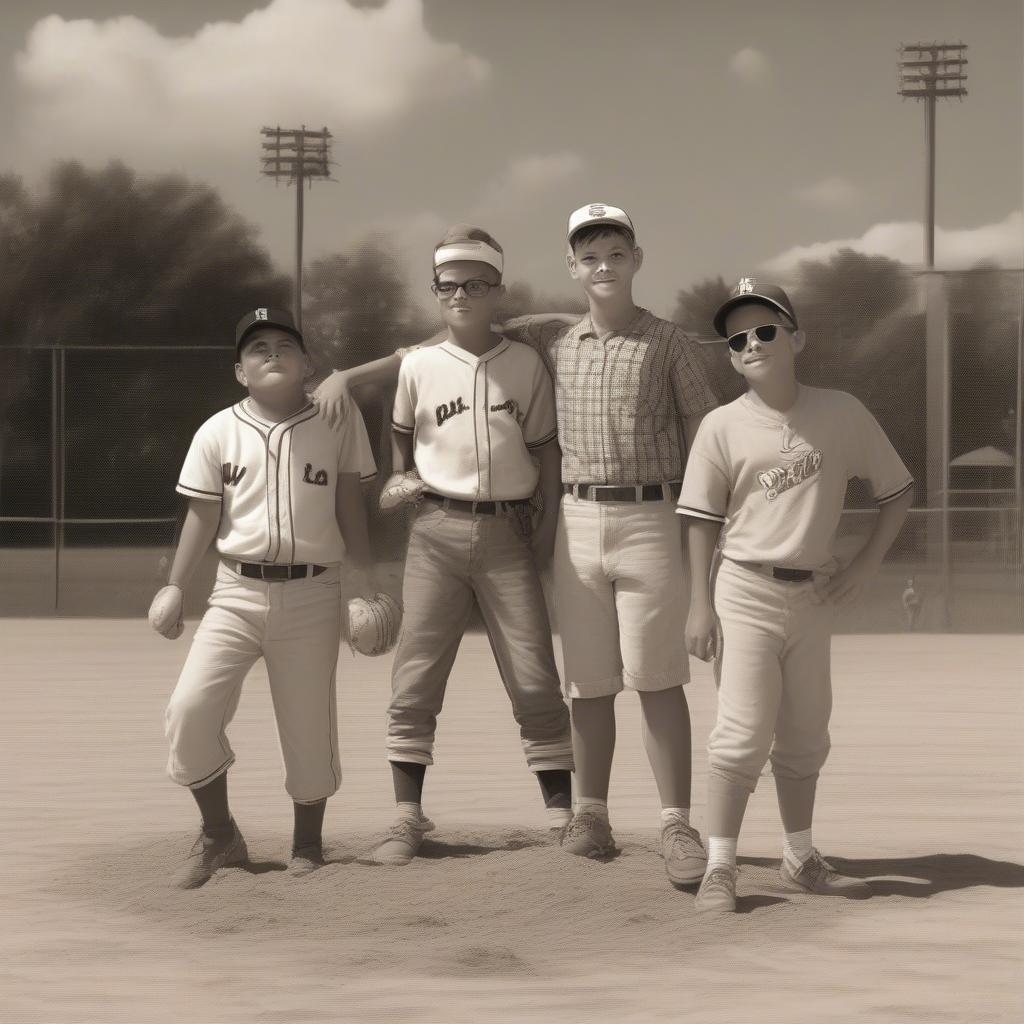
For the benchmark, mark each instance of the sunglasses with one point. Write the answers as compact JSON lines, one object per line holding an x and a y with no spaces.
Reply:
{"x":475,"y":288}
{"x":766,"y":332}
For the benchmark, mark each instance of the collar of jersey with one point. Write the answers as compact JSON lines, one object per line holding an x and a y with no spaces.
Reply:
{"x":635,"y":326}
{"x":763,"y":412}
{"x":467,"y":357}
{"x":243,"y":408}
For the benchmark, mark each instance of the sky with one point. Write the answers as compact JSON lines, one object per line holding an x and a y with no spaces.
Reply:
{"x":741,"y":136}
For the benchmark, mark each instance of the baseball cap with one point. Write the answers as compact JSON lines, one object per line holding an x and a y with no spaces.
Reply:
{"x":748,"y":290}
{"x":599,"y":213}
{"x":266,"y":317}
{"x":465,"y":242}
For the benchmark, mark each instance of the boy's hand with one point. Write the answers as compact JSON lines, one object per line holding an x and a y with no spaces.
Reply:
{"x":332,"y":399}
{"x":165,"y":613}
{"x":358,"y":582}
{"x":542,"y":543}
{"x":702,"y":637}
{"x":401,"y":489}
{"x":846,"y":586}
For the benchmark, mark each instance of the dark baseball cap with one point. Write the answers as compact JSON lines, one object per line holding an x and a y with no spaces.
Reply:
{"x":748,"y":290}
{"x":256,"y":319}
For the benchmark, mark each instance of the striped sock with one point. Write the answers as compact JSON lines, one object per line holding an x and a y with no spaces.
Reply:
{"x":721,"y":852}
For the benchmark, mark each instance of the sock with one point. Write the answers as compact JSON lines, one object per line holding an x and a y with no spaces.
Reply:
{"x":558,"y":817}
{"x":593,"y":806}
{"x":407,"y":810}
{"x":681,"y":814}
{"x":798,"y":846}
{"x":721,"y":852}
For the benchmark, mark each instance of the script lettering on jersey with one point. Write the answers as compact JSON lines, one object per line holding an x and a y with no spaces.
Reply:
{"x":801,"y":461}
{"x":231,"y":474}
{"x":320,"y":478}
{"x":446,"y":410}
{"x":511,"y":406}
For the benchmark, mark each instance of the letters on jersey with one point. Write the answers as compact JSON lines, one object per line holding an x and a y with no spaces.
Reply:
{"x":276,"y":482}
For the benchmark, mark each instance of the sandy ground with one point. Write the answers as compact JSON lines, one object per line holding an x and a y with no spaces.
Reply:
{"x":494,"y":923}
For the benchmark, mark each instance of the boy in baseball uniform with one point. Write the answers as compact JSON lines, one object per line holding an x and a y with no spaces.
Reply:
{"x":765,"y":483}
{"x":280,"y":491}
{"x":472,"y":415}
{"x":629,"y":393}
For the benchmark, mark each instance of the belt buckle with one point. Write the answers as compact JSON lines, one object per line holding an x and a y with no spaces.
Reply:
{"x":276,"y":573}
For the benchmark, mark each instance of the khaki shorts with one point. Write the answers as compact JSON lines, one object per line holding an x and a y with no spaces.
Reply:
{"x":620,"y":595}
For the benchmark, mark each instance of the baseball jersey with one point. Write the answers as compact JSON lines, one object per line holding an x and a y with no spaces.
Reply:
{"x":276,"y":482}
{"x":777,"y":481}
{"x":475,"y":419}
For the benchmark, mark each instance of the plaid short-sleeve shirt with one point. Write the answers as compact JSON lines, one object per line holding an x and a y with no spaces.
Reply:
{"x":621,"y":398}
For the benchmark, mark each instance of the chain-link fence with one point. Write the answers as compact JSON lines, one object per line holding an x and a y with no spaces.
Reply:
{"x":91,"y":441}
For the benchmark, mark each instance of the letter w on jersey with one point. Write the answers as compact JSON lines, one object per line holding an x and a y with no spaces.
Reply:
{"x":232,"y":474}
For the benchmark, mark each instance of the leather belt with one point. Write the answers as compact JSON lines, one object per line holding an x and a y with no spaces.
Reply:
{"x":275,"y":573}
{"x":487,"y":508}
{"x":628,"y":492}
{"x":778,"y":572}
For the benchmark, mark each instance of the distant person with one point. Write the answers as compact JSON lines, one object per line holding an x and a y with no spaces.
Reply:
{"x":474,"y":430}
{"x":280,"y":491}
{"x":765,"y":484}
{"x":911,"y":601}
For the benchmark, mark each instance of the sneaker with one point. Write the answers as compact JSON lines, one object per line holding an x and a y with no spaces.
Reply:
{"x":717,"y":892}
{"x":305,"y":860}
{"x":817,"y":876}
{"x":403,"y":842}
{"x":209,"y":854}
{"x":588,"y":835}
{"x":685,"y":857}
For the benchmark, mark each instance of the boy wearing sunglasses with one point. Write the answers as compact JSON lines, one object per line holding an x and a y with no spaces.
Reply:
{"x":475,"y":417}
{"x":765,"y":484}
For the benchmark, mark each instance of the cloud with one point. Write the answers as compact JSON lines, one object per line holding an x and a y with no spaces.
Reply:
{"x":527,"y":176}
{"x":829,"y":192}
{"x":1001,"y":243}
{"x":97,"y":89}
{"x":750,"y":65}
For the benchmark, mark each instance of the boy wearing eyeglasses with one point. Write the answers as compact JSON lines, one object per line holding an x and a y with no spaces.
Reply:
{"x":475,"y":417}
{"x":765,"y":483}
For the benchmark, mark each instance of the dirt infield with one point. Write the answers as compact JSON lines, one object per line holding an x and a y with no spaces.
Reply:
{"x":922,"y":795}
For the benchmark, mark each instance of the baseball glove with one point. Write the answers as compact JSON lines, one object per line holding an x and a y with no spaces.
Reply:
{"x":401,"y":489}
{"x":373,"y":624}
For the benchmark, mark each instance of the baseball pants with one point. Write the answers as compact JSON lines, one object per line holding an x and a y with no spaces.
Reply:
{"x":774,"y":683}
{"x":620,"y":595}
{"x":296,"y":627}
{"x":456,"y":558}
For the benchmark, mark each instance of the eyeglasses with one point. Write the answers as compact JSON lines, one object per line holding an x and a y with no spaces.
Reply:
{"x":766,"y":332}
{"x":474,"y":288}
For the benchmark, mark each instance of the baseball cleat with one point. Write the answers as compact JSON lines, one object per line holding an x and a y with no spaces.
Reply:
{"x":685,"y":857}
{"x":305,"y":860}
{"x":818,"y":877}
{"x":588,"y":835}
{"x":208,"y":855}
{"x":717,"y":893}
{"x":403,"y":842}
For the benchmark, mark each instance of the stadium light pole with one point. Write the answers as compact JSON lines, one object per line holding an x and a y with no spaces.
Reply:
{"x":929,"y":72}
{"x":297,"y":155}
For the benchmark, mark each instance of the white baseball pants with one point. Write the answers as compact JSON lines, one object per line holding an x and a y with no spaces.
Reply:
{"x":296,"y":627}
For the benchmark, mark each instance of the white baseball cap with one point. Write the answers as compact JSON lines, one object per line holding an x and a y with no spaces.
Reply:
{"x":472,"y":249}
{"x":599,"y":213}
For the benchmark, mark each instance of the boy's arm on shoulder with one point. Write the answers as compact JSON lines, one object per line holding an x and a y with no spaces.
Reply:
{"x":536,"y":329}
{"x":333,"y":397}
